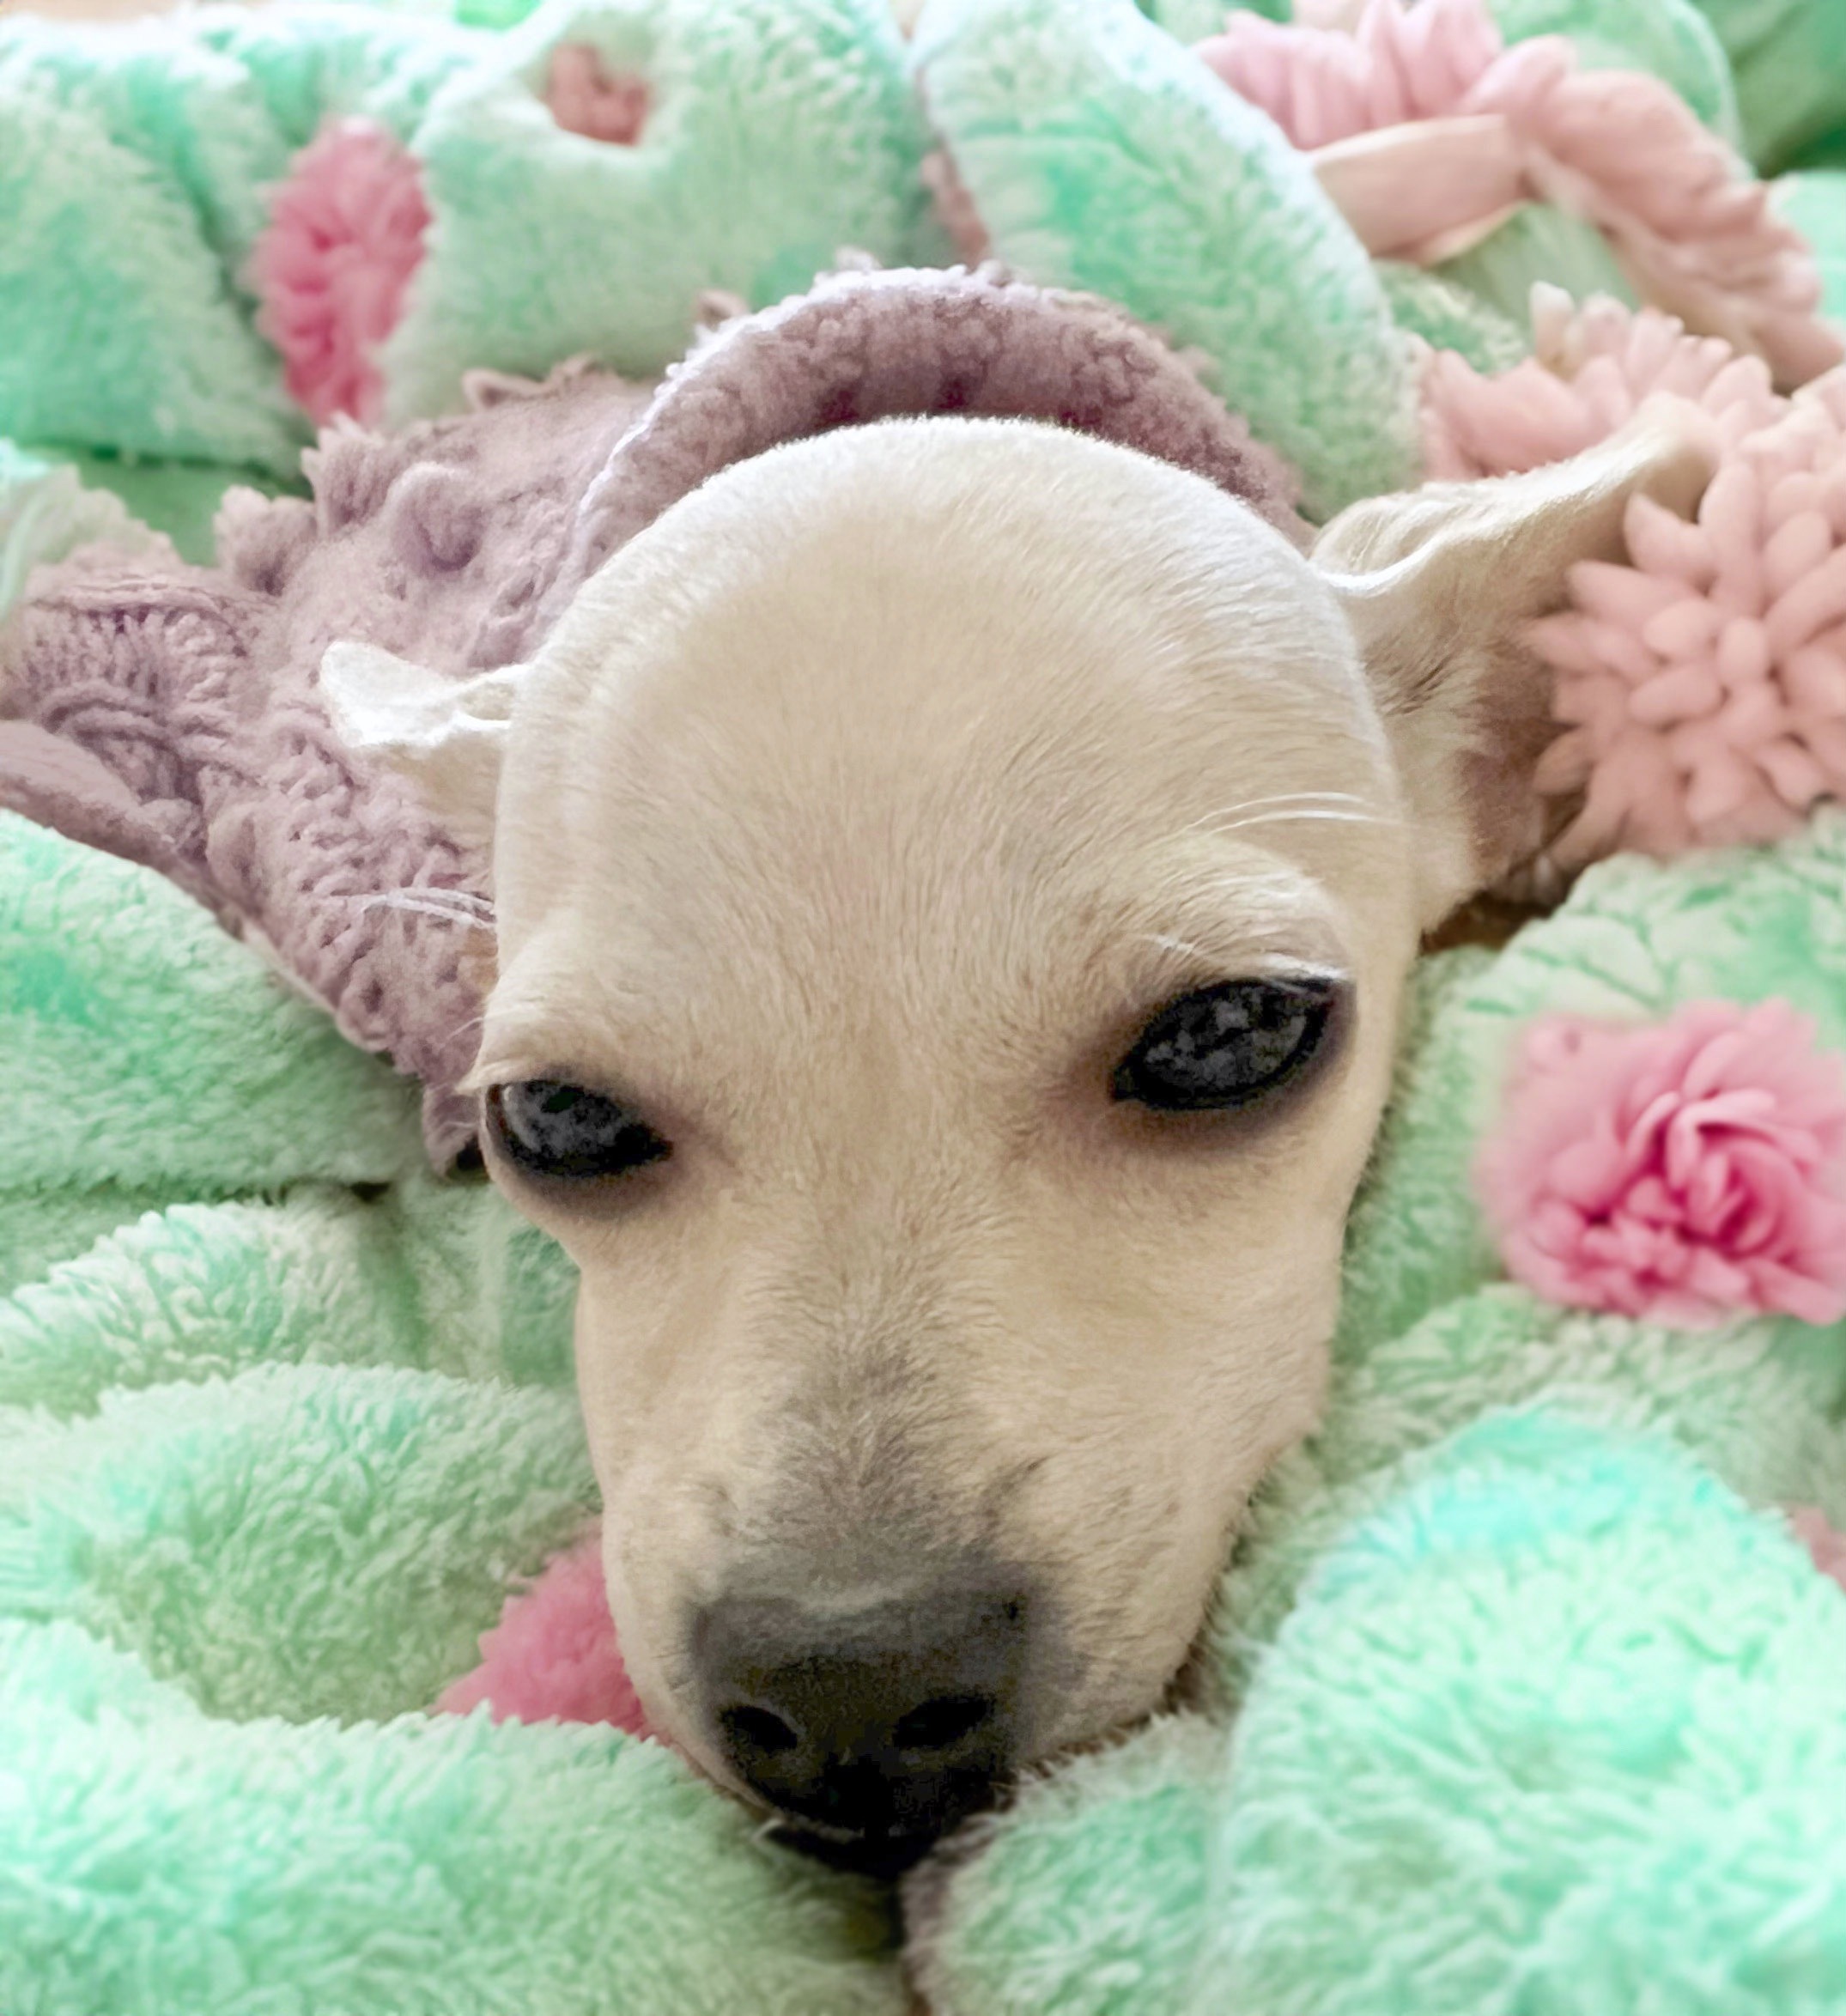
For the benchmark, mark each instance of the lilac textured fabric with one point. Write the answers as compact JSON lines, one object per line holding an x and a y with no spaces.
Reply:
{"x":172,"y":714}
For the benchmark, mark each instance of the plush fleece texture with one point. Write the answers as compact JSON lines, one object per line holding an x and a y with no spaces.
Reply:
{"x":152,"y":184}
{"x":1429,"y":131}
{"x":1789,"y":58}
{"x":133,"y":169}
{"x":1101,"y":155}
{"x":138,"y":168}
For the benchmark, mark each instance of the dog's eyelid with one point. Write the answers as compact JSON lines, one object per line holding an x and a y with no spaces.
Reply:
{"x":1199,"y":970}
{"x":517,"y":1071}
{"x":1330,"y":983}
{"x":674,"y":1119}
{"x":484,"y":1077}
{"x":522,"y":1071}
{"x":1315,"y":973}
{"x":1197,"y":944}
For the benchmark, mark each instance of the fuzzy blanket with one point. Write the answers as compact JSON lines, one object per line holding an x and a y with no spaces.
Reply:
{"x":1522,"y":1692}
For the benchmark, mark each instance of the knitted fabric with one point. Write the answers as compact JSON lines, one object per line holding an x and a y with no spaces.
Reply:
{"x":172,"y":713}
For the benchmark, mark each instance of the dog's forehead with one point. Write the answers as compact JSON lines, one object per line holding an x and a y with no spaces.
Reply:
{"x":996,"y":630}
{"x":931,"y":707}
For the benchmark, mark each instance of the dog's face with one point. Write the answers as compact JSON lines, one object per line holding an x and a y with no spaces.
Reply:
{"x":955,"y":881}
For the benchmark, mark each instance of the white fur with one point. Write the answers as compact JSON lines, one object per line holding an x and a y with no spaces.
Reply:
{"x":850,"y":825}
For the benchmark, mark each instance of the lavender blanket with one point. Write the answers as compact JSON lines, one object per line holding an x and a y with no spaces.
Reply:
{"x":172,"y":713}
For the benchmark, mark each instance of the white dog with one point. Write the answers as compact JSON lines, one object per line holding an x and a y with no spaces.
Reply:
{"x":955,"y":884}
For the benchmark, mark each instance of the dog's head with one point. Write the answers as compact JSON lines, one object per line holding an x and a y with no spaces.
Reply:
{"x":955,"y":881}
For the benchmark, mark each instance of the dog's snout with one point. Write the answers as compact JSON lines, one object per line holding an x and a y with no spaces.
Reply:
{"x":872,"y":1731}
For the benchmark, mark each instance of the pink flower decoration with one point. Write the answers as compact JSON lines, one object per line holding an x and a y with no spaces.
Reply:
{"x":345,"y":234}
{"x":553,"y":1656}
{"x":1591,"y":369}
{"x":1680,"y":1172}
{"x":586,"y":99}
{"x":1322,"y":85}
{"x":1428,"y":131}
{"x":1702,"y":686}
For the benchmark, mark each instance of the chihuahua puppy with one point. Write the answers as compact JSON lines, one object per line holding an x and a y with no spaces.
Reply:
{"x":954,"y":881}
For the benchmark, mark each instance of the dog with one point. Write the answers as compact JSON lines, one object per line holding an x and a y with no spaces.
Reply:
{"x":954,"y":881}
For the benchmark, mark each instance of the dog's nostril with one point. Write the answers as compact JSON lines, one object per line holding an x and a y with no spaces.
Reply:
{"x":756,"y":1729}
{"x":936,"y":1724}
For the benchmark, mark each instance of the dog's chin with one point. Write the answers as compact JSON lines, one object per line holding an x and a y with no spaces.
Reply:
{"x":884,"y":1858}
{"x":889,"y":1854}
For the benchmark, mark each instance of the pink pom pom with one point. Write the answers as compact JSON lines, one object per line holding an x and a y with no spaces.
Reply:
{"x":1591,"y":368}
{"x":1428,"y":131}
{"x":1680,"y":1172}
{"x":553,"y":1656}
{"x":1702,"y":686}
{"x":1322,"y":85}
{"x":332,"y":271}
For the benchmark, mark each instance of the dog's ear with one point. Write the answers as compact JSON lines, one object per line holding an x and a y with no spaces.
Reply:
{"x":1439,"y":585}
{"x":445,"y":735}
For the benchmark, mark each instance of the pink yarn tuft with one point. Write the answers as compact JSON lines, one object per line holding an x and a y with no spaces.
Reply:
{"x":553,"y":1656}
{"x":1681,"y":1172}
{"x":1428,"y":131}
{"x":1590,"y":369}
{"x":1702,"y":686}
{"x":586,"y":99}
{"x":1822,"y":1540}
{"x":1323,"y":85}
{"x":332,"y":271}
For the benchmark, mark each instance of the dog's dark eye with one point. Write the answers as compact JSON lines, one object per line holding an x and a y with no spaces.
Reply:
{"x":556,"y":1129}
{"x":1227,"y":1045}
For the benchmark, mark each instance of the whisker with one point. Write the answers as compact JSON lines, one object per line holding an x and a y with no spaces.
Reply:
{"x":1283,"y":797}
{"x":1330,"y":806}
{"x":452,"y":906}
{"x":1324,"y":816}
{"x":464,"y":899}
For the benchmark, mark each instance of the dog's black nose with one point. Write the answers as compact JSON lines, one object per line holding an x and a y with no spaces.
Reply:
{"x":872,"y":1731}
